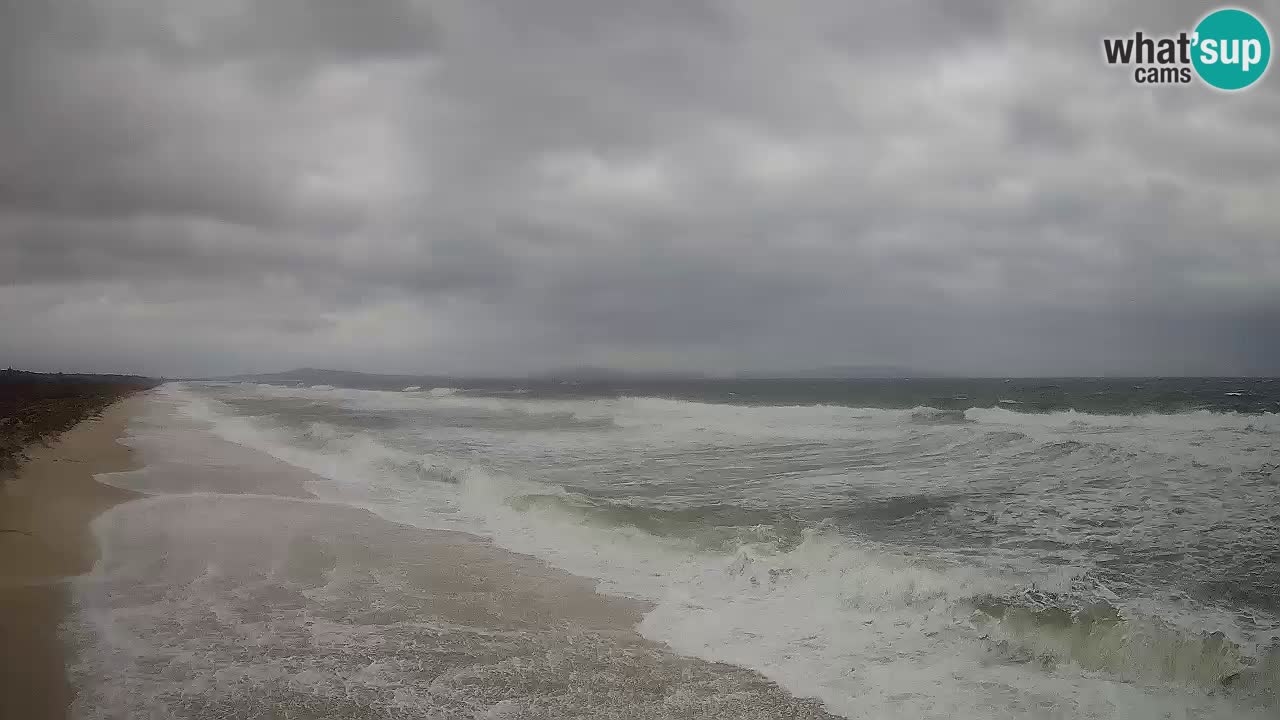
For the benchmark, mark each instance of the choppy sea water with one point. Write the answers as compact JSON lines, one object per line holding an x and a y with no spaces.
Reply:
{"x":973,"y":549}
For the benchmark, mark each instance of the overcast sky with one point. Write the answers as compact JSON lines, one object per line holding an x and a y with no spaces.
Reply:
{"x":194,"y":187}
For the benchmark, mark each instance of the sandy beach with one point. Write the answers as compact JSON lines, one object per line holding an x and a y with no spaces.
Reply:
{"x":45,"y":515}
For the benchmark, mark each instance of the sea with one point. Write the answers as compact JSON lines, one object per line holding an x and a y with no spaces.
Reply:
{"x":927,"y":548}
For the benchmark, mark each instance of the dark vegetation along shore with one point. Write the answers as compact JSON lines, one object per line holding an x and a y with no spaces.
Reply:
{"x":37,"y":407}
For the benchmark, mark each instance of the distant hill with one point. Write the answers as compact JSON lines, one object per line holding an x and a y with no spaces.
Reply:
{"x":588,"y":374}
{"x":601,"y":374}
{"x":837,"y":372}
{"x":337,"y":378}
{"x":841,"y":372}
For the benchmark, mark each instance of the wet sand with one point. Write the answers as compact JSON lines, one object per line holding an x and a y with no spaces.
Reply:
{"x":45,"y":514}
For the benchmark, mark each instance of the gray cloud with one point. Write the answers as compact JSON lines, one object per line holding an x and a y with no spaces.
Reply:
{"x":486,"y":186}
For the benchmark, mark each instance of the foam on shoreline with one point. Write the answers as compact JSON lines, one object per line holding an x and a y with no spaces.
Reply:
{"x":229,"y":589}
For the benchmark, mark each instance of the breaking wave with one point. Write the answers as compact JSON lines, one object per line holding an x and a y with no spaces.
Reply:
{"x":804,"y":597}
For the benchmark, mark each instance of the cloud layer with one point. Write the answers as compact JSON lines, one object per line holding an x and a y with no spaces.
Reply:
{"x":491,"y":186}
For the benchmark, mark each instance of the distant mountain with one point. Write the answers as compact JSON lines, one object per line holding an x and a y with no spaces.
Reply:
{"x":841,"y":372}
{"x":337,"y":378}
{"x":586,"y":373}
{"x":600,"y":374}
{"x":838,"y":372}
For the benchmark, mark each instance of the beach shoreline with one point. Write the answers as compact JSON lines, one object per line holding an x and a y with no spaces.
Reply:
{"x":309,"y":606}
{"x":46,"y":511}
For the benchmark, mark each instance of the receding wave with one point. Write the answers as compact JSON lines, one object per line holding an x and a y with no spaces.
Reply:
{"x":1098,"y":637}
{"x":1022,"y":626}
{"x":716,"y":528}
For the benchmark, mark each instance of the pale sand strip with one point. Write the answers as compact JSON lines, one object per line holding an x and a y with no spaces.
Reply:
{"x":45,"y":514}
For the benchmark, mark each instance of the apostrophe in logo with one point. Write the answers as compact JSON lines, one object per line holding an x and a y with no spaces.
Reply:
{"x":1232,"y":50}
{"x":1229,"y":49}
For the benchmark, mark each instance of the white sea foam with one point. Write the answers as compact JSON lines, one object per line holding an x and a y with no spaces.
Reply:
{"x":872,"y":631}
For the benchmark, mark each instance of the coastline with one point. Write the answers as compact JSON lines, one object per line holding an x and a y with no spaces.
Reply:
{"x":309,"y":606}
{"x":45,"y":513}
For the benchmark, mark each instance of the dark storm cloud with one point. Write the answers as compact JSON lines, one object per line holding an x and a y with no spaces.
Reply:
{"x":487,"y":186}
{"x":1043,"y":126}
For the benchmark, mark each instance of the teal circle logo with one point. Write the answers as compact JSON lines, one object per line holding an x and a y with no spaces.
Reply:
{"x":1231,"y":49}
